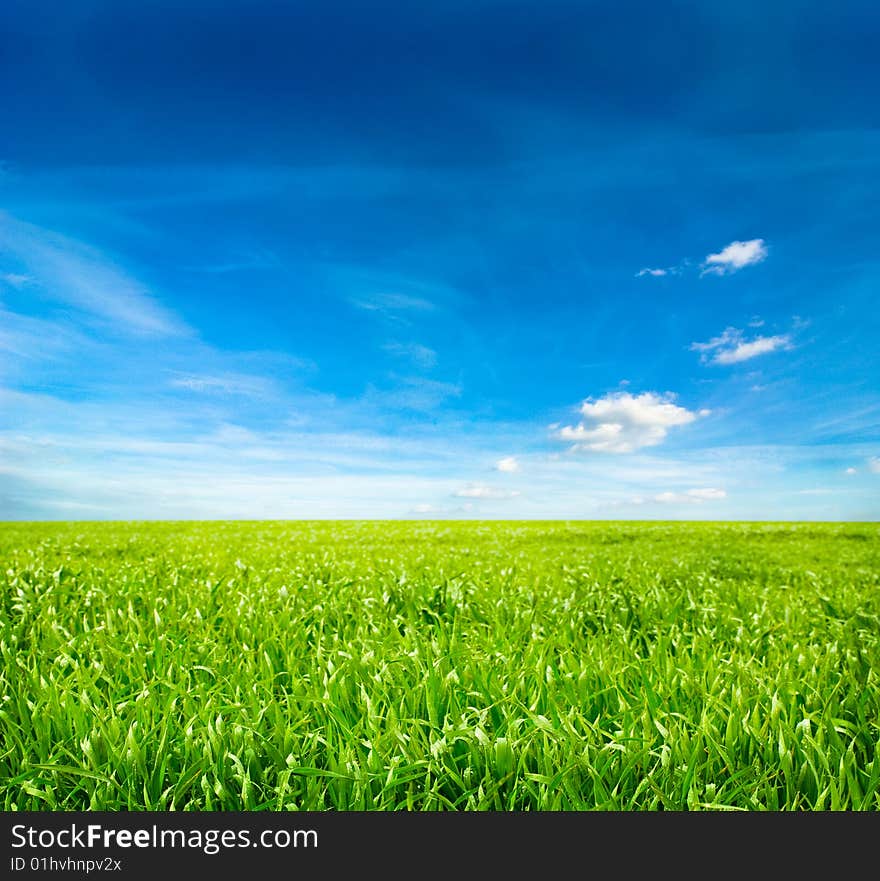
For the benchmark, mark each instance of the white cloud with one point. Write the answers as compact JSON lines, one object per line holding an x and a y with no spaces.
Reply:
{"x":850,"y":471}
{"x":482,"y":491}
{"x":874,"y":464}
{"x":731,"y":347}
{"x":420,"y":355}
{"x":759,"y":346}
{"x":621,"y":422}
{"x":734,"y":257}
{"x":691,"y":496}
{"x":657,"y":273}
{"x":508,"y":464}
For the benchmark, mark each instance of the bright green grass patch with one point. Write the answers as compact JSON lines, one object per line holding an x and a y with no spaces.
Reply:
{"x":431,"y":666}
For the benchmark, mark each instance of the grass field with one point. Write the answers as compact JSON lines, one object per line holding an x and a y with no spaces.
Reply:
{"x":433,"y":666}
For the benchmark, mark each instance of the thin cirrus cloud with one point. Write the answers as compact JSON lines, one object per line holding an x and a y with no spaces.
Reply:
{"x":83,"y":277}
{"x":735,"y":256}
{"x":874,"y":464}
{"x":731,"y":347}
{"x":413,"y":393}
{"x":392,"y":303}
{"x":622,"y":422}
{"x":692,"y":496}
{"x":420,"y":355}
{"x":507,"y":465}
{"x":15,"y":279}
{"x":227,"y":384}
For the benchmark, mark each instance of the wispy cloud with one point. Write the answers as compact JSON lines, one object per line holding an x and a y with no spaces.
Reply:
{"x":482,"y":491}
{"x":731,"y":347}
{"x":412,"y":393}
{"x":691,"y":496}
{"x":85,"y":278}
{"x":15,"y":279}
{"x":39,"y":339}
{"x":621,"y":422}
{"x":508,"y":465}
{"x":229,"y":384}
{"x":420,"y":355}
{"x":874,"y":464}
{"x":392,"y":302}
{"x":398,"y":294}
{"x":745,"y":350}
{"x":735,"y":256}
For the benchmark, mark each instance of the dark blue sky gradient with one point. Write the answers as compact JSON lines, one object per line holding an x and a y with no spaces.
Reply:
{"x":407,"y":83}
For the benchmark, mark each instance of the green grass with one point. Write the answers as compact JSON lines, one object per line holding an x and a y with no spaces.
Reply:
{"x":437,"y":666}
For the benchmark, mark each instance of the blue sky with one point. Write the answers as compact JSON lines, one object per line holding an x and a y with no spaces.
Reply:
{"x":483,"y":259}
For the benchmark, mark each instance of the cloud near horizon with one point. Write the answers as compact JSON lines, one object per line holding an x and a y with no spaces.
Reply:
{"x":692,"y":496}
{"x":622,"y":423}
{"x":482,"y":491}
